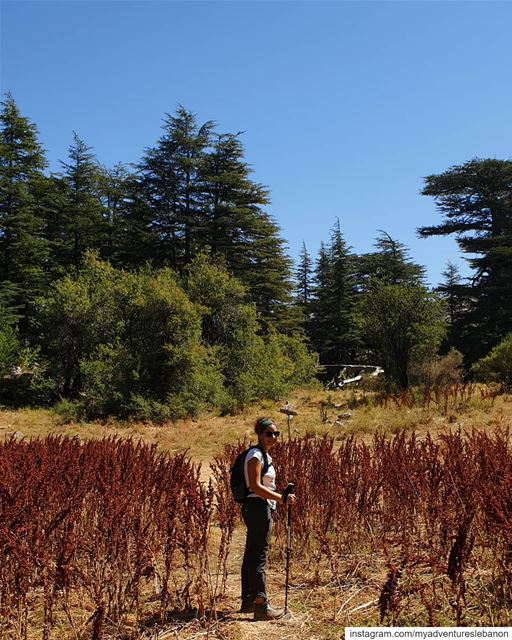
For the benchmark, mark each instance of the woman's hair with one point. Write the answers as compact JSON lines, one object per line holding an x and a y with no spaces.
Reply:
{"x":261,"y":424}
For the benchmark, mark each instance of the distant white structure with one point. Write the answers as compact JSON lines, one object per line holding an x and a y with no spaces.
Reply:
{"x":340,"y":380}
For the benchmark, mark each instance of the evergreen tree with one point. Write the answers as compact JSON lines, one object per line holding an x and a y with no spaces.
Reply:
{"x":303,"y":277}
{"x":232,"y":201}
{"x":332,"y":329}
{"x":390,"y":263}
{"x":80,"y":223}
{"x":475,"y":200}
{"x":345,"y":338}
{"x":193,"y":191}
{"x":187,"y":143}
{"x":114,"y":189}
{"x":52,"y":195}
{"x":244,"y":234}
{"x":137,"y":240}
{"x":268,"y":277}
{"x":319,"y":326}
{"x":452,"y":291}
{"x":167,"y":203}
{"x":304,"y":287}
{"x":23,"y":248}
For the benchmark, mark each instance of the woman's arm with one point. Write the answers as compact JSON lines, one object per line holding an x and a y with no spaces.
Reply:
{"x":254,"y":473}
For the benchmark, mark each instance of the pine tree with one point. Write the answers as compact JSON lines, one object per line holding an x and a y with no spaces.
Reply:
{"x":80,"y":223}
{"x":267,"y":273}
{"x":137,"y":240}
{"x":345,"y":340}
{"x":193,"y":191}
{"x":187,"y":143}
{"x":114,"y":189}
{"x":319,"y":325}
{"x":303,"y":277}
{"x":452,"y":291}
{"x":240,"y":230}
{"x":390,"y":263}
{"x":167,"y":208}
{"x":475,"y":200}
{"x":332,"y":329}
{"x":23,"y":248}
{"x":304,"y":287}
{"x":232,"y":203}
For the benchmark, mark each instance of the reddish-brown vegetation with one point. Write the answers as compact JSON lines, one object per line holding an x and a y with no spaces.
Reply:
{"x":113,"y":525}
{"x":93,"y":522}
{"x":434,"y":511}
{"x":454,"y":397}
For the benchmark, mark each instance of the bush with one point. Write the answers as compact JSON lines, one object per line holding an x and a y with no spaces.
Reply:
{"x":438,"y":370}
{"x":70,"y":410}
{"x":128,"y":344}
{"x":496,"y":366}
{"x":286,"y":364}
{"x":148,"y":346}
{"x":253,"y":366}
{"x":374,"y":383}
{"x":23,"y":380}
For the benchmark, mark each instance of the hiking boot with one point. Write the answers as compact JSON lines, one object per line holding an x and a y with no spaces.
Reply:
{"x":265,"y":612}
{"x":247,"y":605}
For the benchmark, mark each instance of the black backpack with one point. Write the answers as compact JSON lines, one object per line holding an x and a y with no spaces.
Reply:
{"x":239,"y":489}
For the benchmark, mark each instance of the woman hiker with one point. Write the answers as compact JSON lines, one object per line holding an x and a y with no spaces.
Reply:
{"x":257,"y":511}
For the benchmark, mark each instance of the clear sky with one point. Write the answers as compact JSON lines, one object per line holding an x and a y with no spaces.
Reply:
{"x":345,"y":106}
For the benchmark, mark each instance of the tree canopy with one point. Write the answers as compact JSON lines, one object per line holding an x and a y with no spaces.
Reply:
{"x":23,"y":245}
{"x":401,"y":324}
{"x":475,"y":202}
{"x":164,"y":288}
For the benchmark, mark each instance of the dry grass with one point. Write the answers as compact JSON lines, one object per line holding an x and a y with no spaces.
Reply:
{"x":207,"y":435}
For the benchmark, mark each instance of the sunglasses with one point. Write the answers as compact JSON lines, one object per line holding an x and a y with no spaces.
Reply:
{"x":272,"y":434}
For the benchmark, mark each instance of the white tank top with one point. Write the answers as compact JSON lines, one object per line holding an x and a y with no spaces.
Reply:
{"x":268,"y":480}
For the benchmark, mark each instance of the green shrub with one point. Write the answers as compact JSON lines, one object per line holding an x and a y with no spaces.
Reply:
{"x":148,"y":410}
{"x":496,"y":366}
{"x":23,"y":379}
{"x":148,"y":346}
{"x":70,"y":410}
{"x":128,"y":343}
{"x":301,"y":362}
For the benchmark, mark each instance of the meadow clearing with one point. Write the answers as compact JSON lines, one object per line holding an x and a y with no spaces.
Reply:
{"x":402,"y":518}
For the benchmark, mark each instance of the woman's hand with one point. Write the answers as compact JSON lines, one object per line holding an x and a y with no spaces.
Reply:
{"x":291,"y":499}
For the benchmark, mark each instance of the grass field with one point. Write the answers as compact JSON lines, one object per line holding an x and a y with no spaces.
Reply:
{"x":321,"y":606}
{"x":317,"y":410}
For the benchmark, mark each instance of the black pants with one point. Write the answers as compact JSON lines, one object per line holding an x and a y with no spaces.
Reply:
{"x":257,"y":516}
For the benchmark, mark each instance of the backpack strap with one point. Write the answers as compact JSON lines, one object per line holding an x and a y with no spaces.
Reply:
{"x":266,"y":465}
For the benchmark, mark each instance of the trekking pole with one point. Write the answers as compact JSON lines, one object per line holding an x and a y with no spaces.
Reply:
{"x":290,"y":489}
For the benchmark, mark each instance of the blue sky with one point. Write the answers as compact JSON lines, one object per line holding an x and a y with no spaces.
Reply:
{"x":345,"y":106}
